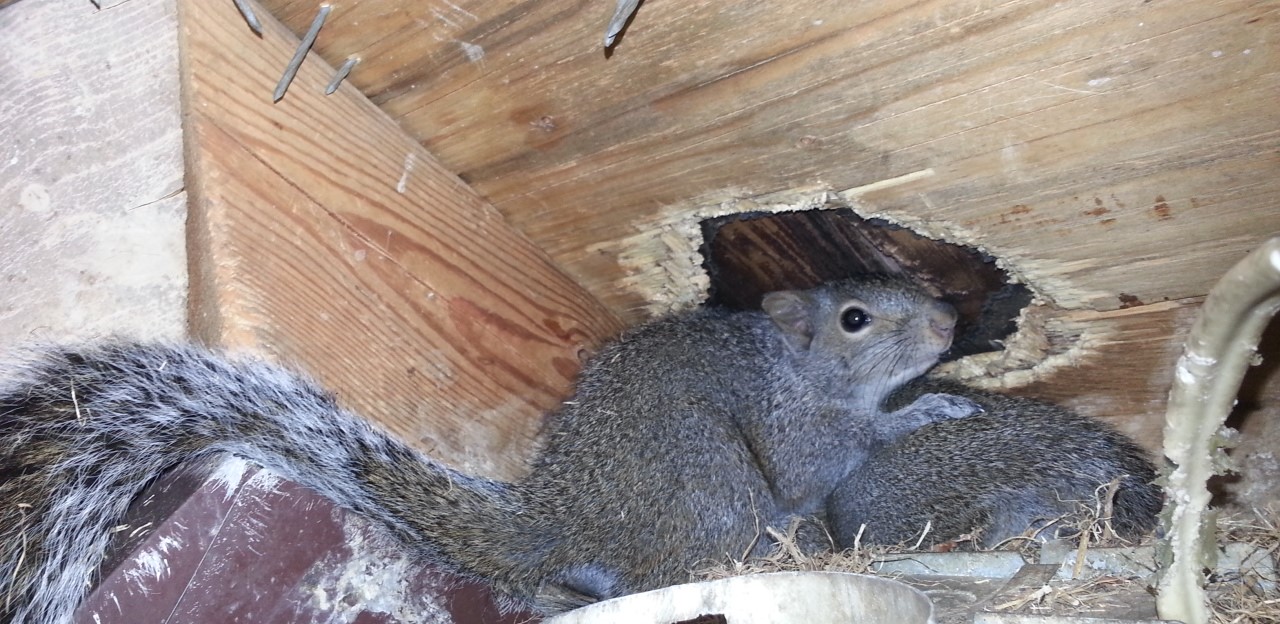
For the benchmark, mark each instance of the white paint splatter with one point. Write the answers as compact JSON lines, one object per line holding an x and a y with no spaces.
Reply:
{"x":148,"y":565}
{"x":474,"y":52}
{"x":1098,"y":82}
{"x":1216,"y":53}
{"x":34,"y":198}
{"x":1201,"y":360}
{"x":1185,"y":376}
{"x":409,"y":161}
{"x":169,"y":542}
{"x":264,"y":481}
{"x":374,"y":578}
{"x":229,"y":474}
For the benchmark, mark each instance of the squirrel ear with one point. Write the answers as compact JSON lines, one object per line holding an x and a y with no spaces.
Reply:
{"x":789,"y":310}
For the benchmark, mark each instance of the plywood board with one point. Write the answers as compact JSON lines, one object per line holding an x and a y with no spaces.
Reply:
{"x":1116,"y":365}
{"x":1102,"y":147}
{"x":322,"y":234}
{"x":1115,"y":157}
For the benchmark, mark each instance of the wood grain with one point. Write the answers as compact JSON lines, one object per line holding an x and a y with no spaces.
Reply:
{"x":1108,"y":154}
{"x":1125,"y":375}
{"x":1141,"y":137}
{"x":91,"y":173}
{"x":321,"y":234}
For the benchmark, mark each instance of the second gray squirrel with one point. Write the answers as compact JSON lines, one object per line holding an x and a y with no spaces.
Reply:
{"x":683,"y":438}
{"x":1022,"y":464}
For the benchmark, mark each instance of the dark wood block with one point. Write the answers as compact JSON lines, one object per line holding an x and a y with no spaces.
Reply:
{"x":224,"y":541}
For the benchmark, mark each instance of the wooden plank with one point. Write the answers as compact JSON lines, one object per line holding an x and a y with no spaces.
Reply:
{"x":91,"y":191}
{"x":1108,"y":154}
{"x":161,"y":542}
{"x":1117,"y":366}
{"x":1132,"y":131}
{"x":222,"y":541}
{"x":323,"y":235}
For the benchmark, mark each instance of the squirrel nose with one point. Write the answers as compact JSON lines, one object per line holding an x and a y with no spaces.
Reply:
{"x":942,"y":320}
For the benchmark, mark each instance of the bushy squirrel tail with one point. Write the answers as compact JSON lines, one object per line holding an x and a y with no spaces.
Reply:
{"x":83,"y":430}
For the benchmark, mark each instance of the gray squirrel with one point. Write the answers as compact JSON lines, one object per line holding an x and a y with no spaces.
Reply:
{"x":1020,"y":464}
{"x":683,"y":439}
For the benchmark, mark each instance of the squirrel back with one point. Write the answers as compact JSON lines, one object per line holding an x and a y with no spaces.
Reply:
{"x":683,"y":439}
{"x":1020,"y":463}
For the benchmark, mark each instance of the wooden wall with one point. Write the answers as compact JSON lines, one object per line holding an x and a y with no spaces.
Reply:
{"x":322,"y":235}
{"x":1100,"y":148}
{"x":1116,"y":157}
{"x":319,"y":235}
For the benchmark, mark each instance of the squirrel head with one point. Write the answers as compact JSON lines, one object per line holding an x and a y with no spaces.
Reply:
{"x":862,"y":338}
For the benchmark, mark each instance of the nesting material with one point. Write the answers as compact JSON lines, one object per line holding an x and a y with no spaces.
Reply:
{"x":1093,"y":597}
{"x":1244,"y":590}
{"x":789,"y":556}
{"x":1251,"y":594}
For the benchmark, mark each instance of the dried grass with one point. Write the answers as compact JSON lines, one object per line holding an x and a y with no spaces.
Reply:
{"x":1251,"y":596}
{"x":1097,"y":596}
{"x":1089,"y":524}
{"x":789,"y":556}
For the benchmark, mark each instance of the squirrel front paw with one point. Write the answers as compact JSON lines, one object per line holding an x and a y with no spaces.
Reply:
{"x":936,"y":406}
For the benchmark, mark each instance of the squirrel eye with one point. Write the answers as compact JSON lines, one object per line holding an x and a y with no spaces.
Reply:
{"x":854,"y":320}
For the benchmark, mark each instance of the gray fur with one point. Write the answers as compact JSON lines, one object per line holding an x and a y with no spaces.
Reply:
{"x":683,"y":439}
{"x":1021,"y":463}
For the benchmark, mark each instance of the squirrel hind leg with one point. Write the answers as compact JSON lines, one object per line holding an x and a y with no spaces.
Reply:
{"x":578,"y":586}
